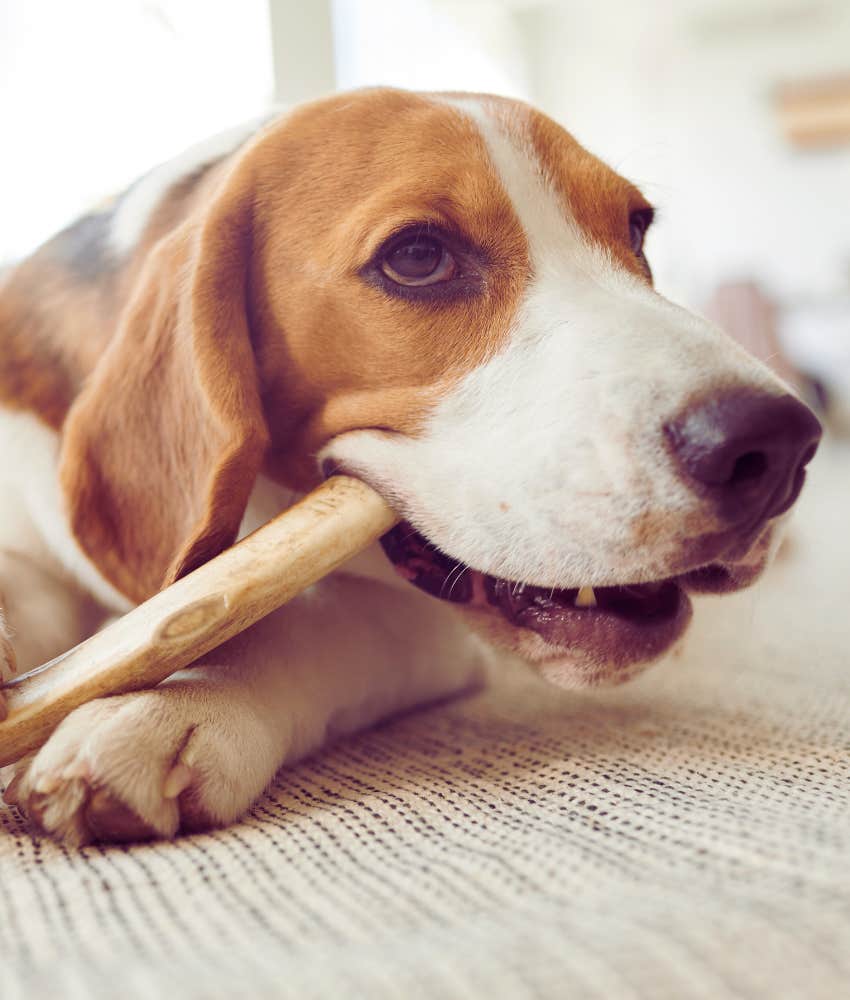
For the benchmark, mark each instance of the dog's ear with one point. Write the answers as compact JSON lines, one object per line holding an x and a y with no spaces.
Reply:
{"x":162,"y":446}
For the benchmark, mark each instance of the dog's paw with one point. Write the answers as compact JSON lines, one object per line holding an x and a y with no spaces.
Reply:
{"x":135,"y":767}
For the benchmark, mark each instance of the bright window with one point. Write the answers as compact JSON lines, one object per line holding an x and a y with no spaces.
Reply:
{"x":94,"y":92}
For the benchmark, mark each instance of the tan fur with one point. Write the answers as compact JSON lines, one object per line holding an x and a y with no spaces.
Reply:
{"x":54,"y":326}
{"x":599,"y":199}
{"x":161,"y":447}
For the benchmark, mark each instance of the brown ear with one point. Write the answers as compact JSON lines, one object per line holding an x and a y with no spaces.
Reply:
{"x":162,"y":447}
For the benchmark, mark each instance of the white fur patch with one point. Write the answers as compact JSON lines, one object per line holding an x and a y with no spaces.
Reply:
{"x":32,"y":518}
{"x":546,"y":463}
{"x":137,"y":205}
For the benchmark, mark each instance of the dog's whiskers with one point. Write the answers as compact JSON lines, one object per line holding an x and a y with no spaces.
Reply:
{"x":458,"y":566}
{"x":457,"y":579}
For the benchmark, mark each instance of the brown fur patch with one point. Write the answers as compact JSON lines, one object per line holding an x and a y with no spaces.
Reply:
{"x":598,"y":199}
{"x":50,"y":336}
{"x":354,"y":356}
{"x":55,"y":323}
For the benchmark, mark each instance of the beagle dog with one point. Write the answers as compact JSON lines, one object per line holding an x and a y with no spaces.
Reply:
{"x":443,"y":294}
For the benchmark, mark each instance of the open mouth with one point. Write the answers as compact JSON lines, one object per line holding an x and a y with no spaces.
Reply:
{"x":614,"y":623}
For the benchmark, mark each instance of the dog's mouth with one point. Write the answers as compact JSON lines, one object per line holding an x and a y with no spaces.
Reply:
{"x":616,"y":625}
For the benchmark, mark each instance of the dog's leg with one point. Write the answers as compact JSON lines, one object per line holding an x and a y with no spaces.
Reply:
{"x":42,"y":613}
{"x":199,"y":749}
{"x":45,"y":612}
{"x":8,"y":660}
{"x":45,"y":602}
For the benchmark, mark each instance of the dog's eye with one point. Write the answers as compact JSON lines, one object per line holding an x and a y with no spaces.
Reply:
{"x":418,"y":260}
{"x":638,"y":225}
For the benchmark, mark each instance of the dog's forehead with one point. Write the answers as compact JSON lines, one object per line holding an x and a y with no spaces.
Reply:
{"x":483,"y":162}
{"x":562,"y":194}
{"x":388,"y":157}
{"x":598,"y":198}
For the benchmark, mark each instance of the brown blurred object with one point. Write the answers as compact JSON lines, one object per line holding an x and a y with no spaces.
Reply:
{"x":815,"y":113}
{"x":748,"y":315}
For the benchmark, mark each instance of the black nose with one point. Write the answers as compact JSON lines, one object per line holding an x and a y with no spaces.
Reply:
{"x":747,"y":449}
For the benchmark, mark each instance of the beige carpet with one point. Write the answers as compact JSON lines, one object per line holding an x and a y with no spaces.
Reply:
{"x":686,"y":836}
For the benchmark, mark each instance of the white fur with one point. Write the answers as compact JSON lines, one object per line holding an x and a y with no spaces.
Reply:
{"x":135,"y":208}
{"x":32,"y":519}
{"x":540,"y":463}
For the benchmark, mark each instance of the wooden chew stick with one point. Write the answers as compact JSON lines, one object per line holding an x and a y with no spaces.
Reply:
{"x":200,"y":611}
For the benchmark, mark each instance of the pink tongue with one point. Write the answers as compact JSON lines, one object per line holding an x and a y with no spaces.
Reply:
{"x":540,"y":608}
{"x":517,"y":602}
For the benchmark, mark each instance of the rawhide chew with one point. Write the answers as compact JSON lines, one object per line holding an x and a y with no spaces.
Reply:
{"x":199,"y":612}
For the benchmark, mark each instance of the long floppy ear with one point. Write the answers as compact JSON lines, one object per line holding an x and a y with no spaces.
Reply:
{"x":161,"y":448}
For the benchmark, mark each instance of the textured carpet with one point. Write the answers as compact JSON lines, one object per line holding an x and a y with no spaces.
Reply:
{"x":685,"y":836}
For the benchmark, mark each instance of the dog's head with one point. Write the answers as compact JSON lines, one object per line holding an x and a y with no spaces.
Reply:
{"x":446,"y":296}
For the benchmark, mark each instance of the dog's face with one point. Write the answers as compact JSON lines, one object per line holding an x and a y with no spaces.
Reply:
{"x":450,"y":300}
{"x":517,"y":386}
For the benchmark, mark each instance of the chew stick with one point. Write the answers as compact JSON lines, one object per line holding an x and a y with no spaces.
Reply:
{"x":200,"y":611}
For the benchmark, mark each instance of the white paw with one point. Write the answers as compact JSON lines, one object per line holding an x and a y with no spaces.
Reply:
{"x":135,"y":767}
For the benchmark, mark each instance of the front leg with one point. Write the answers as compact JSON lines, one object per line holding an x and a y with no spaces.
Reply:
{"x":42,"y":613}
{"x":198,"y":750}
{"x":8,"y":660}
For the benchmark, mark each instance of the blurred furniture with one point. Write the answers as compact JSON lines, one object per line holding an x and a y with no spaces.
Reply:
{"x":745,"y":312}
{"x":815,"y":113}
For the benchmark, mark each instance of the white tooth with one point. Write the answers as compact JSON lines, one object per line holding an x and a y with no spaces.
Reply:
{"x":585,"y":598}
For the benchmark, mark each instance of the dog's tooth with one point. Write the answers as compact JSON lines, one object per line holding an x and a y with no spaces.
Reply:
{"x":585,"y":598}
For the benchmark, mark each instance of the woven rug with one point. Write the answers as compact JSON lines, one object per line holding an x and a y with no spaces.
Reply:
{"x":685,"y":836}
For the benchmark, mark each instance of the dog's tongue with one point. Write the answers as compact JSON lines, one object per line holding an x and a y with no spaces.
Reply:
{"x":554,"y":614}
{"x":643,"y":602}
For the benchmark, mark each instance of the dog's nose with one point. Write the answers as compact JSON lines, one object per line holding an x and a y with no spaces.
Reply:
{"x":746,"y":450}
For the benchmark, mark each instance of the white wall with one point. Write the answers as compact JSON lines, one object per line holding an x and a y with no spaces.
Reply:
{"x":303,"y":49}
{"x":95,"y":92}
{"x":429,"y":45}
{"x":677,"y":96}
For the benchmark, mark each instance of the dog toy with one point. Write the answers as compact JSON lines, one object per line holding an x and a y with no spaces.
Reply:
{"x":199,"y":612}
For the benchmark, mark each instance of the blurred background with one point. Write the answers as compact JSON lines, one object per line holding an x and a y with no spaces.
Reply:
{"x":732,"y":115}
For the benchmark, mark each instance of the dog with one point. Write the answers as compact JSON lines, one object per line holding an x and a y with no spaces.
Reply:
{"x":442,"y":294}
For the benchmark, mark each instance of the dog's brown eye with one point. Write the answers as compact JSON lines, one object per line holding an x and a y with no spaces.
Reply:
{"x":420,"y":260}
{"x":638,"y":225}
